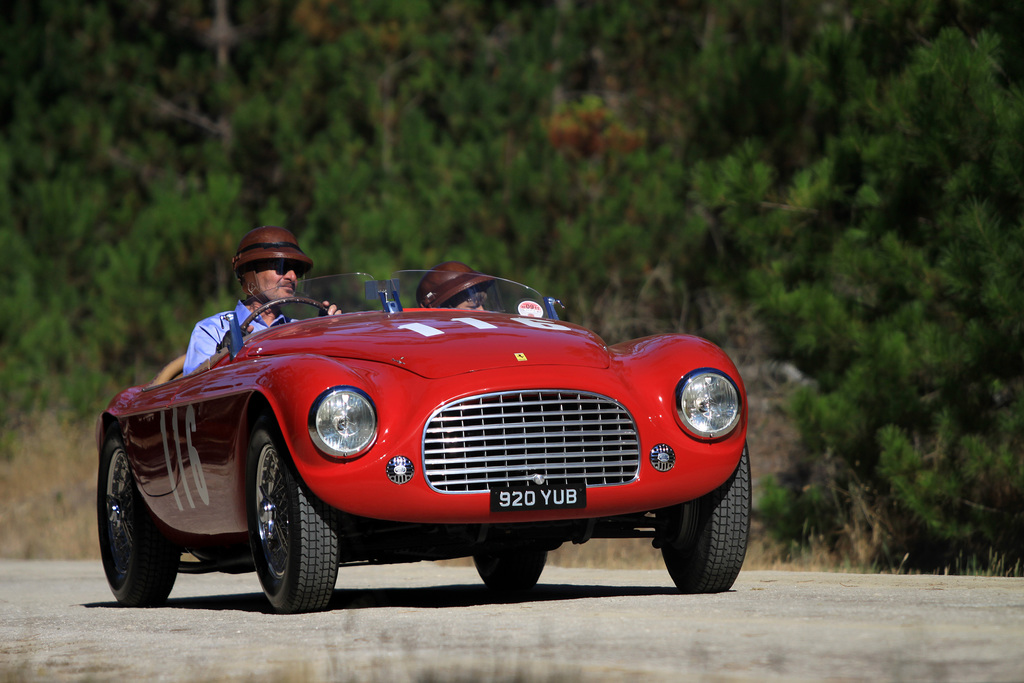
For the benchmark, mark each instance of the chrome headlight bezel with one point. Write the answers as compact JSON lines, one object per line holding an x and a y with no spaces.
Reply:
{"x":708,"y":403}
{"x":329,"y":418}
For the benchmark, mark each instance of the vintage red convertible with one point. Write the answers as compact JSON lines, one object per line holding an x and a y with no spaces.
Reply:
{"x":407,"y":429}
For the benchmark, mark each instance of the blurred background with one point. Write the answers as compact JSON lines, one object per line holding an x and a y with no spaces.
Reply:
{"x":830,"y":190}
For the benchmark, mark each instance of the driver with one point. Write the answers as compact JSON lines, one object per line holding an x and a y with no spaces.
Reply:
{"x":268,"y":265}
{"x":453,"y":284}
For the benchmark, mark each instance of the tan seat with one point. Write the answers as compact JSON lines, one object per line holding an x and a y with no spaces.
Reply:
{"x":170,"y":371}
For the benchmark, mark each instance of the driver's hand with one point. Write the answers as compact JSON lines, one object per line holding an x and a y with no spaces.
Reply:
{"x":332,"y":309}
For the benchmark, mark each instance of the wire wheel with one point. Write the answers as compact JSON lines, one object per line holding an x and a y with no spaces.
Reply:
{"x":293,"y":534}
{"x":140,"y":564}
{"x":120,"y":512}
{"x":272,"y":511}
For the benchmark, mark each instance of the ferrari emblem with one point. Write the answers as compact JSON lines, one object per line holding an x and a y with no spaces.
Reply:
{"x":520,"y":356}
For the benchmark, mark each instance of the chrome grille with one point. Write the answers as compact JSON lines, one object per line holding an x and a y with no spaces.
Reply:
{"x":509,"y":438}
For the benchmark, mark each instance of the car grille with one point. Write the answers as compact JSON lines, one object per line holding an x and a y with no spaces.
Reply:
{"x":509,"y":438}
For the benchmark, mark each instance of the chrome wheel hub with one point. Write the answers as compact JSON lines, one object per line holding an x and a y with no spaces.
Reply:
{"x":272,"y":511}
{"x":120,"y":508}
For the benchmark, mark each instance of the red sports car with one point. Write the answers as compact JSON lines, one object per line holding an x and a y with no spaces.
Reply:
{"x":437,"y":417}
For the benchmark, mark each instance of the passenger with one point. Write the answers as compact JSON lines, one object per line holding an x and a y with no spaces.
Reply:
{"x":268,"y":265}
{"x":453,"y":284}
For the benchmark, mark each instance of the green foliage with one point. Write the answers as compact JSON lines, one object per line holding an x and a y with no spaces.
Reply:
{"x":892,"y":271}
{"x":852,"y":169}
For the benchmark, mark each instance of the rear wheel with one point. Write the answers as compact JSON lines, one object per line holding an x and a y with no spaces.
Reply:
{"x":292,"y":533}
{"x":709,"y":560}
{"x":141,"y":565}
{"x":511,"y":571}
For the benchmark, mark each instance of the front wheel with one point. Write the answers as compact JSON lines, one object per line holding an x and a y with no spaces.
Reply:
{"x":511,"y":571}
{"x":711,"y":560}
{"x":292,"y":533}
{"x":141,"y":565}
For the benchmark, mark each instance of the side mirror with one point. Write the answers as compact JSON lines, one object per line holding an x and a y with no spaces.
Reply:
{"x":234,"y":335}
{"x":549,"y":305}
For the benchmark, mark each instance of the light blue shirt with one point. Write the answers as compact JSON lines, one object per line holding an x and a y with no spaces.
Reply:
{"x":209,"y":332}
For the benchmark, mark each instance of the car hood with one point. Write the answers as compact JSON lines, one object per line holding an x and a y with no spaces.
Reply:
{"x":436,"y":344}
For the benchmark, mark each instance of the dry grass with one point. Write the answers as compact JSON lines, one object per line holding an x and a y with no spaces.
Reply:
{"x":762,"y":554}
{"x":48,"y":489}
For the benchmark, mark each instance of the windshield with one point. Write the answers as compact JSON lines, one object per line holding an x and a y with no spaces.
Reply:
{"x":413,"y":289}
{"x":347,"y":292}
{"x":468,"y":291}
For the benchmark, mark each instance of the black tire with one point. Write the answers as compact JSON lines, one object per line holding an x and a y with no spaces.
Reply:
{"x":517,"y":571}
{"x":711,"y":561}
{"x":292,"y":533}
{"x":141,"y":565}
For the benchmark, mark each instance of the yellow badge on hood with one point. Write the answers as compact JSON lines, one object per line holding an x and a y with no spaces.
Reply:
{"x":520,"y":356}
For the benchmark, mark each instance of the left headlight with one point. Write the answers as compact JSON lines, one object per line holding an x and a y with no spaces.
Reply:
{"x":343,"y":421}
{"x":708,"y":403}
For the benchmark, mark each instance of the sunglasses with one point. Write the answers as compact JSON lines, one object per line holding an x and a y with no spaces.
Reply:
{"x":279,"y":266}
{"x":472,"y":298}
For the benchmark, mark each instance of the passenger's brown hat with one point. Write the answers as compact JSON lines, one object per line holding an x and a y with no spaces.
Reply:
{"x":446,"y":280}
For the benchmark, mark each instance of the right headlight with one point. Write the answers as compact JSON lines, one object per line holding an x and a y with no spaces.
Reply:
{"x":708,"y":403}
{"x":343,"y":422}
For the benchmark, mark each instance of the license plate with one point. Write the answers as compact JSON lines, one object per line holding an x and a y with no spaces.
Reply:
{"x":540,"y":498}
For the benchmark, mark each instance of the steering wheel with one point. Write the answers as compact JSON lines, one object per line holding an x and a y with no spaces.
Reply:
{"x":285,"y":300}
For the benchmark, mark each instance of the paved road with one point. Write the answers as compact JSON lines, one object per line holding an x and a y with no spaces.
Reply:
{"x":436,"y":622}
